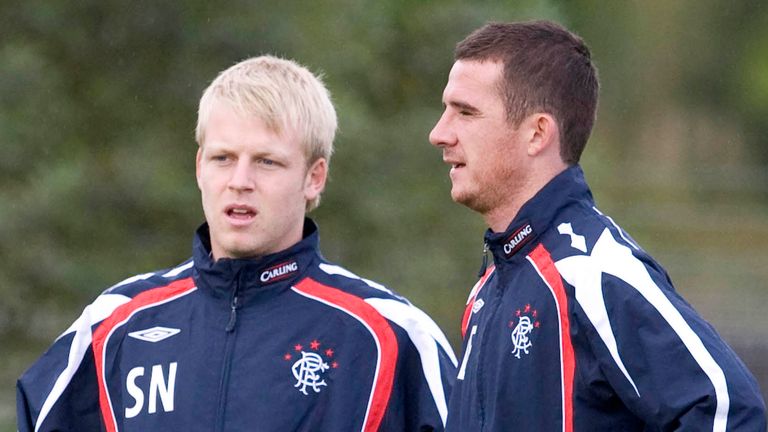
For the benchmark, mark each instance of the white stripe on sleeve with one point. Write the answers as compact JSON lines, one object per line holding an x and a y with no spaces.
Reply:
{"x":177,"y":271}
{"x":97,"y":311}
{"x":610,"y":257}
{"x":341,"y":271}
{"x":425,"y":335}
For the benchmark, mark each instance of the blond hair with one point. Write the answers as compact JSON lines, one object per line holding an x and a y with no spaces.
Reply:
{"x":284,"y":95}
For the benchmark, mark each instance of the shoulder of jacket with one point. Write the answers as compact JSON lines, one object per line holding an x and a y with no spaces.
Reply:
{"x":578,"y":226}
{"x":410,"y":321}
{"x":345,"y":280}
{"x":124,"y":292}
{"x":137,"y":284}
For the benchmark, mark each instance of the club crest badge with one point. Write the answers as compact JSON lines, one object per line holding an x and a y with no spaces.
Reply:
{"x":526,"y":321}
{"x":310,"y":364}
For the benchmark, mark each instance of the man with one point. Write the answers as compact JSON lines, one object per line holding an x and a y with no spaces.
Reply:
{"x":257,"y":331}
{"x":574,"y":327}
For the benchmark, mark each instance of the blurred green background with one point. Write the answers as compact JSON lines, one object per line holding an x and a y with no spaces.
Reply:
{"x":98,"y":105}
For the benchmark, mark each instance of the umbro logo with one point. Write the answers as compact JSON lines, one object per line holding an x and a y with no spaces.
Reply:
{"x":154,"y":334}
{"x":478,"y":305}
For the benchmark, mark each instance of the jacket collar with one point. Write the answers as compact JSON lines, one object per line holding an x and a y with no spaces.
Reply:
{"x":537,"y":215}
{"x":247,"y":278}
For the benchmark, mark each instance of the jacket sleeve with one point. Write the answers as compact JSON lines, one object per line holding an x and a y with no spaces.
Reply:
{"x":665,"y":362}
{"x":60,"y":391}
{"x":426,"y":370}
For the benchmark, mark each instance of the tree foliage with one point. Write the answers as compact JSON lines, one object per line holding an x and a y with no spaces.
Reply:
{"x":98,"y":105}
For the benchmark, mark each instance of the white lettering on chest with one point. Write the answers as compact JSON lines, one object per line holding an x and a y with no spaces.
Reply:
{"x":160,"y":386}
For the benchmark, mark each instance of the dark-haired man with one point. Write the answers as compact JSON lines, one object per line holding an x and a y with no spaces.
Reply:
{"x":573,"y":326}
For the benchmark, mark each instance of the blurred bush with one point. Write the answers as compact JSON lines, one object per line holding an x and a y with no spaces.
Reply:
{"x":98,"y":104}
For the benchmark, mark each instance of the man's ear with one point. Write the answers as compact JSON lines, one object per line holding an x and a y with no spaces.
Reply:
{"x":198,"y":159}
{"x":544,"y":134}
{"x":314,"y":182}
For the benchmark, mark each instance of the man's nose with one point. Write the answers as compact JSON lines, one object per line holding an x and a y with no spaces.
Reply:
{"x":441,"y":135}
{"x":242,"y":176}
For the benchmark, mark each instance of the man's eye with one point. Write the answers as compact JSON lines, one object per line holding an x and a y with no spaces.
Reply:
{"x":264,"y":161}
{"x":220,"y":158}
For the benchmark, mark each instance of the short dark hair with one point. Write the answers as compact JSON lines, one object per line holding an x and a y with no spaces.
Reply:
{"x":546,"y":68}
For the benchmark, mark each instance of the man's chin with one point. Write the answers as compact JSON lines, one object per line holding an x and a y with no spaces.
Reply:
{"x":235,"y":248}
{"x":461,"y":197}
{"x":468,"y":200}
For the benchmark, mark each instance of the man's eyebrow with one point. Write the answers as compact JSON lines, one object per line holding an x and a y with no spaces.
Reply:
{"x":463,"y":106}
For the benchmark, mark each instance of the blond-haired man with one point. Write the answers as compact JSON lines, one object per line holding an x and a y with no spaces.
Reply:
{"x":257,"y":331}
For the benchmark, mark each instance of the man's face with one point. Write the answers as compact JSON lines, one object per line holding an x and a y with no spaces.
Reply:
{"x":486,"y":154}
{"x":254,"y":184}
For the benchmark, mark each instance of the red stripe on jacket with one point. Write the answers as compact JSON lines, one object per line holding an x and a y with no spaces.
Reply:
{"x":118,"y":317}
{"x":542,"y":260}
{"x":380,"y":330}
{"x":471,"y":302}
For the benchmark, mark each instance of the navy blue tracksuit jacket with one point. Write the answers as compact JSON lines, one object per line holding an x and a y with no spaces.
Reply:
{"x":288,"y":342}
{"x":576,"y":328}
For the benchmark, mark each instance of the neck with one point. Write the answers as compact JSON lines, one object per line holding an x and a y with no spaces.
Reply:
{"x":499,"y":217}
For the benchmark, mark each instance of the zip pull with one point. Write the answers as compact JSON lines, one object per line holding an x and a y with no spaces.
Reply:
{"x":484,"y":265}
{"x":232,"y":316}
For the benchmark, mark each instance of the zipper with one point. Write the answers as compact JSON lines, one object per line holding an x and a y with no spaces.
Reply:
{"x":229,"y":344}
{"x":232,"y":315}
{"x":493,"y":308}
{"x":484,"y":264}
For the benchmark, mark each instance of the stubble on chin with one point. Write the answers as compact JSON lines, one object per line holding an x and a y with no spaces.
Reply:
{"x":470,"y":200}
{"x":483,"y":198}
{"x":235,"y":245}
